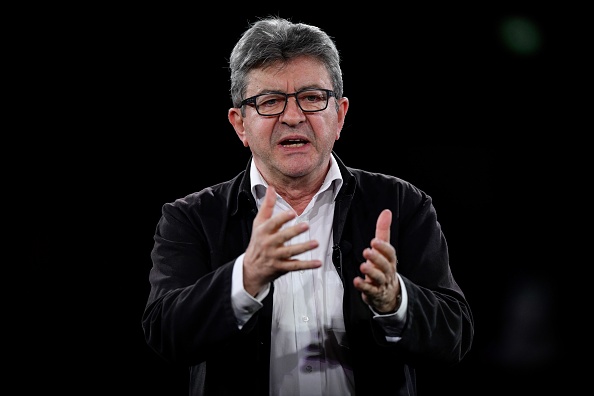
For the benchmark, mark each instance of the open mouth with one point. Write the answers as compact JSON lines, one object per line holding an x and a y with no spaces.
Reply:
{"x":293,"y":143}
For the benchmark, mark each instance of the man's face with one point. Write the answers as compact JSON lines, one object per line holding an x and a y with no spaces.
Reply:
{"x":294,"y":144}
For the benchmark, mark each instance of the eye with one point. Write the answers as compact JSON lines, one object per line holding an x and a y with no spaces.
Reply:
{"x":270,"y":100}
{"x":312,"y":96}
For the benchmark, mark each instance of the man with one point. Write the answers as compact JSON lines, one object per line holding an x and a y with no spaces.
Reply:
{"x":301,"y":276}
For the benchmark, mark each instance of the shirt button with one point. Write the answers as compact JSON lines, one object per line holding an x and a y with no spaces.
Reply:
{"x":305,"y":318}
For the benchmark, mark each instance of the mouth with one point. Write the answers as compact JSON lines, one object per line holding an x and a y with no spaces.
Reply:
{"x":294,"y":143}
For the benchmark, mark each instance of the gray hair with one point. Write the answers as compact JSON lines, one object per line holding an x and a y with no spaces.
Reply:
{"x":275,"y":39}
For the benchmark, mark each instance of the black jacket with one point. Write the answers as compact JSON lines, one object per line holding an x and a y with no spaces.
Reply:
{"x":189,"y":319}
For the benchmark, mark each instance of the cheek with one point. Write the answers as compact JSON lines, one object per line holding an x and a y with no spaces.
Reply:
{"x":257,"y":129}
{"x":330,"y":127}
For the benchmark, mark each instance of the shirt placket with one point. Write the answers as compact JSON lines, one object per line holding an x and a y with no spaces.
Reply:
{"x":306,"y":317}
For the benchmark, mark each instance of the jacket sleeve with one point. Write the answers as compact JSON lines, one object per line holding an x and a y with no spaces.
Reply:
{"x":439,"y":325}
{"x":189,"y":314}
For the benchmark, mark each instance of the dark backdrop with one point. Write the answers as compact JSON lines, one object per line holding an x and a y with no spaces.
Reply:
{"x":127,"y":110}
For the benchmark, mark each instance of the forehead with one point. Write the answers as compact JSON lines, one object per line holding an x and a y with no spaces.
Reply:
{"x":293,"y":75}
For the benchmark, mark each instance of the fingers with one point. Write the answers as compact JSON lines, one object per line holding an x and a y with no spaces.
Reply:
{"x":378,"y":267}
{"x":286,"y":252}
{"x":379,"y":284}
{"x":381,"y":253}
{"x":265,"y":214}
{"x":270,"y":252}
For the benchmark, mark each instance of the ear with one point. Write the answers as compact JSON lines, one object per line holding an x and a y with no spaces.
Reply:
{"x":343,"y":107}
{"x":236,"y":119}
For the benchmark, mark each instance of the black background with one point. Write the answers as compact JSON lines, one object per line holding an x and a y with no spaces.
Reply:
{"x":126,"y":109}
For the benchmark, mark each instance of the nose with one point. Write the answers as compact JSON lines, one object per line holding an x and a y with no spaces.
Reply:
{"x":292,"y":110}
{"x":293,"y":114}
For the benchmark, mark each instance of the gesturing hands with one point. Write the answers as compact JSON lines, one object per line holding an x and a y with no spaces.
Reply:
{"x":380,"y":287}
{"x":267,"y":257}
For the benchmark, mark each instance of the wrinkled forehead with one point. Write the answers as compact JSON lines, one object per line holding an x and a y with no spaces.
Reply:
{"x":289,"y":76}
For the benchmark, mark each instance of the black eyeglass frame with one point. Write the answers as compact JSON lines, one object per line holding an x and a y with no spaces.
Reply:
{"x":252,"y":100}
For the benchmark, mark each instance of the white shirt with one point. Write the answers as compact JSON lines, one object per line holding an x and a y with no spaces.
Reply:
{"x":309,"y":348}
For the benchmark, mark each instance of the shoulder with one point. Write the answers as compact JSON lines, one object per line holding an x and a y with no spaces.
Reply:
{"x":380,"y":182}
{"x":377,"y":191}
{"x":218,"y":197}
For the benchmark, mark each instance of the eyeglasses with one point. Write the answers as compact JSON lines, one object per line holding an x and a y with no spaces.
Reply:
{"x":275,"y":103}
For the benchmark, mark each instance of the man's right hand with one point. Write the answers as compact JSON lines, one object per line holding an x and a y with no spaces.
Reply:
{"x":267,"y":257}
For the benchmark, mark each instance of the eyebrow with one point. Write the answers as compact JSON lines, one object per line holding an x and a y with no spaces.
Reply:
{"x":271,"y":91}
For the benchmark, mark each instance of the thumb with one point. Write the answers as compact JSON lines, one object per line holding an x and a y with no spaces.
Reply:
{"x":267,"y":207}
{"x":382,"y":228}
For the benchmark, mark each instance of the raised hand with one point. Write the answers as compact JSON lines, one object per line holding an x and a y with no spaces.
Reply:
{"x":267,"y":257}
{"x":380,"y":287}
